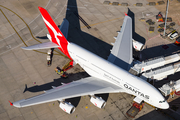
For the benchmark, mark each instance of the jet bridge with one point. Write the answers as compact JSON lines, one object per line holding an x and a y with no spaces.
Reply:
{"x":166,"y":89}
{"x":161,"y":72}
{"x":141,"y":67}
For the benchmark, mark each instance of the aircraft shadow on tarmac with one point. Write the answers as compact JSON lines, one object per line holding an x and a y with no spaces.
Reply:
{"x":159,"y":50}
{"x":81,"y":38}
{"x":56,"y":82}
{"x":42,"y":37}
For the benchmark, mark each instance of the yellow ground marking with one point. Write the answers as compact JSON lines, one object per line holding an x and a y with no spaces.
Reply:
{"x":102,"y":22}
{"x":86,"y":107}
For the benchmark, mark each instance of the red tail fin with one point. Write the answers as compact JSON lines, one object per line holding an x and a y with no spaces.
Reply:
{"x":56,"y":35}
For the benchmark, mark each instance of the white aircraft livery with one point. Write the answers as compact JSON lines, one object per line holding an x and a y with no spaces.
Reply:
{"x":106,"y":76}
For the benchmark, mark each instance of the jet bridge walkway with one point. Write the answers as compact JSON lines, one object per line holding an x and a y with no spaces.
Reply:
{"x":161,"y":72}
{"x":141,"y":67}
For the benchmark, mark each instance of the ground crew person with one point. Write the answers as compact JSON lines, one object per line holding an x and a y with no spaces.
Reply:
{"x":62,"y":72}
{"x":57,"y":71}
{"x":172,"y":93}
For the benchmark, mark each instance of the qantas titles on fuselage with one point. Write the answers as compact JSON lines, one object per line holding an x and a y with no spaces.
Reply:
{"x":136,"y":91}
{"x":129,"y":87}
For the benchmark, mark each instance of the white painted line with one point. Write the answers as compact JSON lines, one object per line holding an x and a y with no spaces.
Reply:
{"x":11,"y":48}
{"x":61,"y":10}
{"x":35,"y":27}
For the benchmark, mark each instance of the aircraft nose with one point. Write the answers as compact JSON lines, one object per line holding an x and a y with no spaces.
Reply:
{"x":165,"y":105}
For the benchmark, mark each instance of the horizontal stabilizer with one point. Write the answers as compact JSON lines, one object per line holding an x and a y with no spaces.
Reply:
{"x":41,"y":46}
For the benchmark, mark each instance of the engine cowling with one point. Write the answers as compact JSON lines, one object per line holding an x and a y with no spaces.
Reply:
{"x":137,"y":45}
{"x":98,"y":101}
{"x":67,"y":107}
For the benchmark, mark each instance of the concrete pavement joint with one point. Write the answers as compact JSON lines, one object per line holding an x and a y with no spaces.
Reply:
{"x":117,"y":107}
{"x":103,"y":22}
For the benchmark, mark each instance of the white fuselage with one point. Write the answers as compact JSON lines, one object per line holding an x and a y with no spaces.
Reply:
{"x":105,"y":70}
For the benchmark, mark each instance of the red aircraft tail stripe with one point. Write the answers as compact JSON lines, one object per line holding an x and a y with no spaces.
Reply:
{"x":56,"y":35}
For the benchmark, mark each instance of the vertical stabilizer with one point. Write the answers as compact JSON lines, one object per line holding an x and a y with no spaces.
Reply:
{"x":56,"y":35}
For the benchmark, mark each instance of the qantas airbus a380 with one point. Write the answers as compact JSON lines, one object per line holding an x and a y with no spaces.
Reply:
{"x":107,"y":76}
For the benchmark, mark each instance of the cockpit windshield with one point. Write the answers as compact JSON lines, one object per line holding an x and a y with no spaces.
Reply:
{"x":162,"y":101}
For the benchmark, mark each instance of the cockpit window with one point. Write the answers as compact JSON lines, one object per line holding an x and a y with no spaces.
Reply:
{"x":162,"y":101}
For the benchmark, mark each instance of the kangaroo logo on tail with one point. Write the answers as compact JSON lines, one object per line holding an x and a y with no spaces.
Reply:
{"x":56,"y":35}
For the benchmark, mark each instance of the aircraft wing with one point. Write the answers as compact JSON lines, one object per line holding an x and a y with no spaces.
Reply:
{"x":121,"y":53}
{"x":45,"y":45}
{"x":86,"y":86}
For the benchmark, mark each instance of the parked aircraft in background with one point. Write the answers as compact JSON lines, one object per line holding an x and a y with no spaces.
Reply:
{"x":107,"y":76}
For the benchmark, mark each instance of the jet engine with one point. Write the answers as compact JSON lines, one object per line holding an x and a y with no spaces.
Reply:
{"x":98,"y":101}
{"x":137,"y":45}
{"x":67,"y":107}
